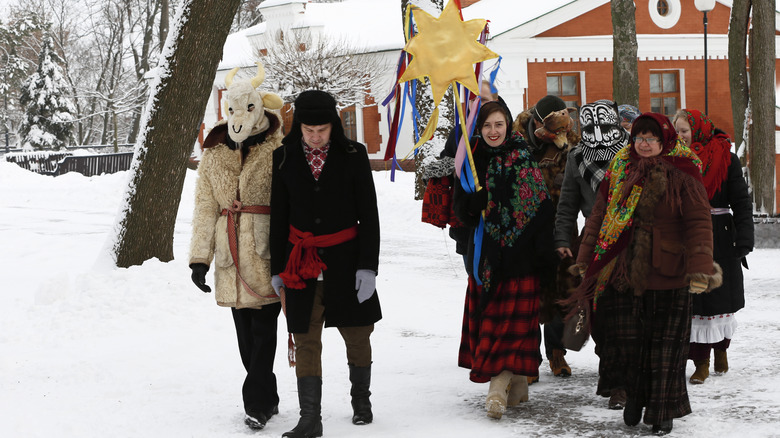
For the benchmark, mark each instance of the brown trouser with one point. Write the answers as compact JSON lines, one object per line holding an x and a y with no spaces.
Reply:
{"x":308,"y":346}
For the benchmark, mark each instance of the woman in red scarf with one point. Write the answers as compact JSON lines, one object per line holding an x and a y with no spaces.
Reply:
{"x":646,"y":244}
{"x":714,"y":321}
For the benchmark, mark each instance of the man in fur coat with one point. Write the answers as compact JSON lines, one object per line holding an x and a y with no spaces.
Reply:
{"x":231,"y":226}
{"x":548,"y":130}
{"x":325,"y":251}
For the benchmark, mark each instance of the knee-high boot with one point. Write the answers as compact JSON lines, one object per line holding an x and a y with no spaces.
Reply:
{"x":361,"y":405}
{"x":310,"y":399}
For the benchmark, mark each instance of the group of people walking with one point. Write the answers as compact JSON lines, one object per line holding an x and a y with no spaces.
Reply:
{"x":657,"y":265}
{"x":291,"y":224}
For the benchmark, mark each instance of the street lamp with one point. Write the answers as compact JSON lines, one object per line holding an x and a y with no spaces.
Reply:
{"x":705,"y":6}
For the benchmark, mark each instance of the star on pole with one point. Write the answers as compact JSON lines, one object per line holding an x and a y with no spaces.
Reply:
{"x":445,"y":50}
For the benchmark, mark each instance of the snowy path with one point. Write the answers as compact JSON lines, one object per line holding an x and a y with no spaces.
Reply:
{"x":88,"y":351}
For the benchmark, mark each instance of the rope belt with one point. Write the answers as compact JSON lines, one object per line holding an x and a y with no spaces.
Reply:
{"x":232,"y":222}
{"x":718,"y":211}
{"x":304,"y":263}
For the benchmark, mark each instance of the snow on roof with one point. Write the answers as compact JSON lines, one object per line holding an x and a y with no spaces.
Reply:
{"x":237,"y":52}
{"x":504,"y":15}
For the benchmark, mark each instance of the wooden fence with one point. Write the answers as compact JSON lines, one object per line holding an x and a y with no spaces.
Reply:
{"x":89,"y":165}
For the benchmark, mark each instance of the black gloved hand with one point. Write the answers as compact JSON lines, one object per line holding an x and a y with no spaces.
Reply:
{"x":478,"y":201}
{"x":199,"y":276}
{"x":741,"y":251}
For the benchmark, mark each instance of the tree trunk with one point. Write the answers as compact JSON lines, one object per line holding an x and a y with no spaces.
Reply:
{"x":738,"y":31}
{"x":146,"y":224}
{"x":625,"y":73}
{"x":762,"y":96}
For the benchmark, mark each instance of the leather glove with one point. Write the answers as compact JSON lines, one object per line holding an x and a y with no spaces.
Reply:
{"x":478,"y":201}
{"x":277,"y":284}
{"x":365,"y":283}
{"x":698,"y":286}
{"x":199,"y":276}
{"x":741,"y":251}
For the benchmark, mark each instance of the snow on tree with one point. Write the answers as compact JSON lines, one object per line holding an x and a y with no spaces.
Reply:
{"x":48,"y":109}
{"x":297,"y":61}
{"x":180,"y":89}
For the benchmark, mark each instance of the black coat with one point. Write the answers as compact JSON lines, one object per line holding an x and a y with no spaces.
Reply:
{"x":343,"y":196}
{"x":532,"y":254}
{"x":730,"y":235}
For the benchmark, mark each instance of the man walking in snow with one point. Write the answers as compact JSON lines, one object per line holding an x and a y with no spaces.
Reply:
{"x":231,"y":225}
{"x":325,"y":251}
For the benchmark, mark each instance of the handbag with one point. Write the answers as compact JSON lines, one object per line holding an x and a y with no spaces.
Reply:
{"x":576,"y":329}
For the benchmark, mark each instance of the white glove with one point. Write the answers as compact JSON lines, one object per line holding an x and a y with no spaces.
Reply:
{"x":277,"y":284}
{"x":365,"y":283}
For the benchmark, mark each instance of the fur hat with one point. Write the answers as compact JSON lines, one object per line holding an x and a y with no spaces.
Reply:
{"x":546,"y":105}
{"x":315,"y":107}
{"x":628,"y":113}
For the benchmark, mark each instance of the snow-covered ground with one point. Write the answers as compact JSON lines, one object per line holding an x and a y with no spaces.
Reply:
{"x":91,"y":351}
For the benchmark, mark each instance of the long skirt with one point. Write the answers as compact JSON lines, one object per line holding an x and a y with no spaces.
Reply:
{"x":502,"y":333}
{"x":653,"y":331}
{"x":610,"y":344}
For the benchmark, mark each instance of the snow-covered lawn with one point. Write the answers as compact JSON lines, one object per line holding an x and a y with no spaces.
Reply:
{"x":88,"y":350}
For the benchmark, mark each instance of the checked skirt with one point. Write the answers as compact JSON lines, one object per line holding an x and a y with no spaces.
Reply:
{"x":505,"y":335}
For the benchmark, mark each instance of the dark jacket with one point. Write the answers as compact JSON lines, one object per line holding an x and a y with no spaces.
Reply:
{"x":731,"y":234}
{"x":533,"y":253}
{"x":343,"y":196}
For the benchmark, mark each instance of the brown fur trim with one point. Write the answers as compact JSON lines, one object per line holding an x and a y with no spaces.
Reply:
{"x":713,"y":281}
{"x":642,"y":242}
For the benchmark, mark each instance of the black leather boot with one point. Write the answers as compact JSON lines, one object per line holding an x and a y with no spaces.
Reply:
{"x":361,"y":405}
{"x":310,"y":399}
{"x":632,"y":413}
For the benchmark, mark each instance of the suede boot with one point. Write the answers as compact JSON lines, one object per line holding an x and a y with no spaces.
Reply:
{"x":617,"y":398}
{"x":721,"y":361}
{"x":702,"y":371}
{"x":558,"y":364}
{"x":497,"y":394}
{"x":361,"y":405}
{"x":518,"y":390}
{"x":310,"y":400}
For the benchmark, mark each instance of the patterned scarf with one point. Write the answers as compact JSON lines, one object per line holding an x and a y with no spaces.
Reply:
{"x":622,"y":200}
{"x":714,"y":150}
{"x":516,"y":189}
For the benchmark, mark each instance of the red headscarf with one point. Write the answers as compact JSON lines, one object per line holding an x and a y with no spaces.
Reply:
{"x":713,"y":149}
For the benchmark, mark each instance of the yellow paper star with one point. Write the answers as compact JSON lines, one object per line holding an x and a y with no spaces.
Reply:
{"x":445,"y":49}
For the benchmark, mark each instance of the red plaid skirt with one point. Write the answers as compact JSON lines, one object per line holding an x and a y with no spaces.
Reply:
{"x":505,"y":335}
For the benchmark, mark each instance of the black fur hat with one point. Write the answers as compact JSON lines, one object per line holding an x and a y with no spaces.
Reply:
{"x":315,"y":107}
{"x":546,"y":105}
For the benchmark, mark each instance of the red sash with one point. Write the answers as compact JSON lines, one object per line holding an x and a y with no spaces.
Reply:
{"x":304,"y":263}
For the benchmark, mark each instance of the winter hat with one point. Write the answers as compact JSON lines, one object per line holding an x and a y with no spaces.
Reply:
{"x":315,"y":107}
{"x":628,"y":113}
{"x":546,"y":105}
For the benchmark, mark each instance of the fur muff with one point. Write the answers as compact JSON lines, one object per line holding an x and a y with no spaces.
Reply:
{"x":222,"y":175}
{"x":713,"y":281}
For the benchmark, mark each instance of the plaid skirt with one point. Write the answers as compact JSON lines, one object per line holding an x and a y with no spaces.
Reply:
{"x":505,"y":335}
{"x":642,"y":343}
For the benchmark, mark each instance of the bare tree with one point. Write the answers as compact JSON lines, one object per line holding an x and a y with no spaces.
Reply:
{"x":171,"y":117}
{"x":625,"y":70}
{"x":738,"y":78}
{"x":299,"y":61}
{"x":762,"y":97}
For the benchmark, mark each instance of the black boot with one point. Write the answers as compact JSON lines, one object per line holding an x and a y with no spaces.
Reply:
{"x":256,"y":419}
{"x":361,"y":405}
{"x":632,"y":413}
{"x":310,"y":398}
{"x":663,"y":427}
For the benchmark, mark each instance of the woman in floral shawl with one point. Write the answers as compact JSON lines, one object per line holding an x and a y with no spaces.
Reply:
{"x":714,"y":314}
{"x":648,"y":243}
{"x":508,"y":259}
